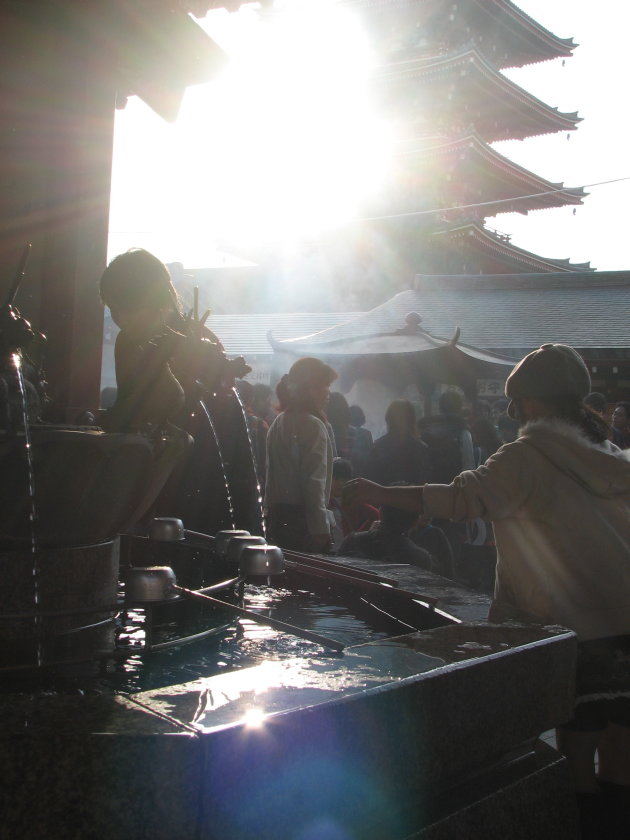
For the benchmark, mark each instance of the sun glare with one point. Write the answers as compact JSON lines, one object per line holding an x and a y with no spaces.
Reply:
{"x":254,"y":718}
{"x":286,"y":143}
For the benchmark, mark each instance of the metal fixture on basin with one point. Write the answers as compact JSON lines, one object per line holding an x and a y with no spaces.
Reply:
{"x":222,"y":539}
{"x":149,"y":584}
{"x":263,"y":560}
{"x":237,"y":544}
{"x":166,"y":529}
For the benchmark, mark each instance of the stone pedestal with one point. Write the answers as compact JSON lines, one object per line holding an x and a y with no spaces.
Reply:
{"x":57,"y":605}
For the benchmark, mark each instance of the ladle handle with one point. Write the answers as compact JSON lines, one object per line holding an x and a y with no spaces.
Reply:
{"x":263,"y":619}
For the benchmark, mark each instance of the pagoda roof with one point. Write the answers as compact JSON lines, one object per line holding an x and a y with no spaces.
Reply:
{"x":467,"y":91}
{"x":505,"y":34}
{"x":498,"y":253}
{"x":523,"y":40}
{"x":481,"y":174}
{"x":508,"y":312}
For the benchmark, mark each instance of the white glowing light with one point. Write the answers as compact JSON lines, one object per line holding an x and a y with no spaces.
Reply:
{"x":254,"y":718}
{"x":285,"y":144}
{"x":297,"y":145}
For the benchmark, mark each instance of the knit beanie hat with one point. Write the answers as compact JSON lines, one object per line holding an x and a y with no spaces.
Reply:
{"x":552,"y":370}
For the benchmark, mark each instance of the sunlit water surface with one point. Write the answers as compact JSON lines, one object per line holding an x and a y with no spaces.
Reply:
{"x":246,"y":643}
{"x":241,"y":644}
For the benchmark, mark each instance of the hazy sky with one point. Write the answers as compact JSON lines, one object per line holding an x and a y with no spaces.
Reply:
{"x":181,"y":181}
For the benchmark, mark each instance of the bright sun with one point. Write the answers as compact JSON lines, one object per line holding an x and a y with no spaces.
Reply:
{"x":284,"y":145}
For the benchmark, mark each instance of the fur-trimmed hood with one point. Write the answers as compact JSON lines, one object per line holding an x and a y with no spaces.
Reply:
{"x":602,"y":469}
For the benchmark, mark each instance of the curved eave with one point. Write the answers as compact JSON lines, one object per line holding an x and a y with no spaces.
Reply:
{"x":508,"y":36}
{"x":358,"y":345}
{"x":553,"y":46}
{"x":521,"y":181}
{"x":514,"y":113}
{"x":525,"y":40}
{"x":486,"y":242}
{"x":385,"y":344}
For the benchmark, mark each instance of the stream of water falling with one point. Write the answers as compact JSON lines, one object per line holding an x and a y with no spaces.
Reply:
{"x":252,"y":454}
{"x":32,"y":509}
{"x":221,"y":462}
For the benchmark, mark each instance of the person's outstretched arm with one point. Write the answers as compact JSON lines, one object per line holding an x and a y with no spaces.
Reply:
{"x":493,"y":491}
{"x":362,"y":490}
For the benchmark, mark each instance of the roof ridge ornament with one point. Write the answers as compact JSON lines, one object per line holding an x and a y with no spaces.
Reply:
{"x":412,"y":325}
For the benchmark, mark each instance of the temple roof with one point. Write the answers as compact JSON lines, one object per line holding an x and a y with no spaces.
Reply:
{"x":409,"y":339}
{"x":469,"y":94}
{"x":498,"y":254}
{"x":480,"y":174}
{"x":247,"y":334}
{"x":505,"y":312}
{"x":502,"y":32}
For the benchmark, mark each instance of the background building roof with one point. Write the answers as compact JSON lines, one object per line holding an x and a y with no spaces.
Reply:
{"x":247,"y":334}
{"x":505,"y":312}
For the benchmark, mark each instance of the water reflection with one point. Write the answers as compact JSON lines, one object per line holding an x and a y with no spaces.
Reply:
{"x":246,"y":643}
{"x":253,"y":672}
{"x":254,"y":718}
{"x":250,"y":671}
{"x":250,"y":694}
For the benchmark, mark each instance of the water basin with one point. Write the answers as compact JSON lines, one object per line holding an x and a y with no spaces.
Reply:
{"x":247,"y":645}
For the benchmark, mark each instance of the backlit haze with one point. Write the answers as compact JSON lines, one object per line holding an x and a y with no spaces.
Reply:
{"x":285,"y":144}
{"x":282,"y":145}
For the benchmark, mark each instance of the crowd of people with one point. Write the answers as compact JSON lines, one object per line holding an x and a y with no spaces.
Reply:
{"x":558,"y":498}
{"x":415,"y":450}
{"x":528,"y":497}
{"x":309,"y":442}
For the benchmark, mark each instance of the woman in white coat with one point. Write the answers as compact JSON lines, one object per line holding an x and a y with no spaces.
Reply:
{"x":299,"y":460}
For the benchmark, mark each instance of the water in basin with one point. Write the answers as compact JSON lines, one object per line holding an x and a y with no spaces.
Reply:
{"x":344,"y":618}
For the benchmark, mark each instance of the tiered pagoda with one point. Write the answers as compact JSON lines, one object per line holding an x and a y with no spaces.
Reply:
{"x":440,"y":81}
